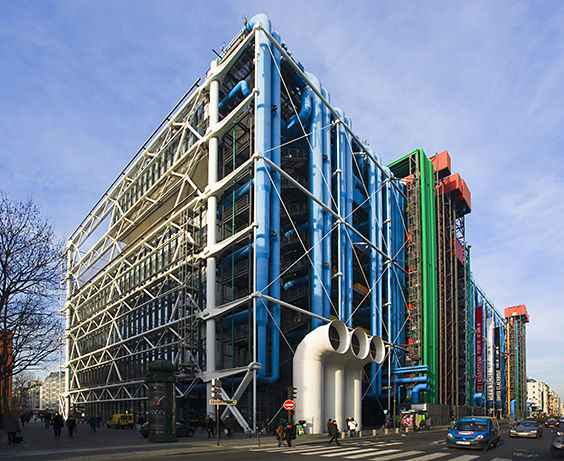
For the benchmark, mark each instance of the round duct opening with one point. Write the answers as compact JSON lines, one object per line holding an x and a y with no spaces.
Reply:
{"x":338,"y":336}
{"x":377,"y":349}
{"x":355,"y":344}
{"x":359,"y":343}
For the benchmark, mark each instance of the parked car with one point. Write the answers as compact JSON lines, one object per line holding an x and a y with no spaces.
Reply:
{"x":182,"y":430}
{"x":526,"y":429}
{"x":552,"y":423}
{"x":474,"y":432}
{"x":120,"y":420}
{"x":557,"y":446}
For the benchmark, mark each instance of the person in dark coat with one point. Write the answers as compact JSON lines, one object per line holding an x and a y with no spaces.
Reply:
{"x":58,"y":423}
{"x":289,"y":434}
{"x":210,"y":425}
{"x":334,"y":433}
{"x":329,"y":422}
{"x":71,"y":424}
{"x":12,"y":426}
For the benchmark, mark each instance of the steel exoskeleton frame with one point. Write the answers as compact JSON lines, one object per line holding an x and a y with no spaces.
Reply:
{"x":165,"y":278}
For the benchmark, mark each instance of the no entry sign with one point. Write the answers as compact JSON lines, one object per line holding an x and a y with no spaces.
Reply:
{"x":289,"y":405}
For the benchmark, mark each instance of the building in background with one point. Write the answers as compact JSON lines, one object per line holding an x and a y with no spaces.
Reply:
{"x":517,"y":318}
{"x":553,"y":403}
{"x":51,"y":388}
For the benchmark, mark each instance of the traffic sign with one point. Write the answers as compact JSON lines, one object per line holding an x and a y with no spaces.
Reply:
{"x":289,"y":405}
{"x":222,"y":402}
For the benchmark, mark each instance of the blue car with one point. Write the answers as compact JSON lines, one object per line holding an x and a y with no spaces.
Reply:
{"x":474,"y":432}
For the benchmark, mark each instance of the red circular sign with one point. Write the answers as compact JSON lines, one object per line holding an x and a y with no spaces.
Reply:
{"x":289,"y":405}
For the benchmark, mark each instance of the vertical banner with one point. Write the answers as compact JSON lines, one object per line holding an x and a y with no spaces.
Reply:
{"x":497,"y":346}
{"x":479,"y":352}
{"x":490,"y":358}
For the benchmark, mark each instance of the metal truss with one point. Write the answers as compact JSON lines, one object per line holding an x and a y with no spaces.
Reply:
{"x":138,"y":273}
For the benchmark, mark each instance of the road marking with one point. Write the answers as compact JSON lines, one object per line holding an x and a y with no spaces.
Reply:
{"x":308,"y":448}
{"x":500,"y":459}
{"x":465,"y":458}
{"x":351,"y":452}
{"x":430,"y":456}
{"x":376,"y":452}
{"x":403,"y":454}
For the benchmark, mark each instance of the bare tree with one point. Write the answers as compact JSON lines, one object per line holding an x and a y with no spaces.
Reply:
{"x":22,"y":386}
{"x":29,"y":276}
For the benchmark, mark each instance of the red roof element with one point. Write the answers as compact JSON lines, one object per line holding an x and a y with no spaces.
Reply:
{"x":517,"y":311}
{"x":457,"y":186}
{"x":441,"y":164}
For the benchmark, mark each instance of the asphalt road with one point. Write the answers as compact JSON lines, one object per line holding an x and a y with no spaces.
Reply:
{"x":115,"y":444}
{"x":425,"y":446}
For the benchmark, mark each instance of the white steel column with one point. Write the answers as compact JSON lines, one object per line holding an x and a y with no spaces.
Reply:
{"x":211,"y":217}
{"x":66,"y":409}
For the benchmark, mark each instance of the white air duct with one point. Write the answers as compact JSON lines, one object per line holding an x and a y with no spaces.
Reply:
{"x":309,"y":370}
{"x":356,"y":357}
{"x":374,"y":351}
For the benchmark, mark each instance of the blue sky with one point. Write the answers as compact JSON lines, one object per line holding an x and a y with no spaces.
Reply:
{"x":84,"y":83}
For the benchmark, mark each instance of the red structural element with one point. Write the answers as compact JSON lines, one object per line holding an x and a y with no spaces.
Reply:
{"x":517,"y":311}
{"x":457,"y":186}
{"x":441,"y":164}
{"x":458,"y":249}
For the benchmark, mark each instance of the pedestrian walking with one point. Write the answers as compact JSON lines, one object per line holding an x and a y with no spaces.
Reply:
{"x":210,"y":426}
{"x":58,"y":424}
{"x":228,"y":425}
{"x":12,"y":426}
{"x":280,"y":435}
{"x":352,"y":425}
{"x":289,"y":434}
{"x":329,"y":422}
{"x":92,"y":423}
{"x":71,"y":425}
{"x":334,"y":433}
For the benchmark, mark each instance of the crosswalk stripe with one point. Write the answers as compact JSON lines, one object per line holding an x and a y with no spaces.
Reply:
{"x":430,"y":456}
{"x":350,"y":452}
{"x":308,"y":449}
{"x":375,"y":452}
{"x":465,"y":458}
{"x":321,"y":450}
{"x":500,"y":459}
{"x":403,"y":454}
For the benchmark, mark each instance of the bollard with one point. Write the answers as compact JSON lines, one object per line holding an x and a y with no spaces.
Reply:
{"x":374,"y":431}
{"x":386,"y":431}
{"x":397,"y":430}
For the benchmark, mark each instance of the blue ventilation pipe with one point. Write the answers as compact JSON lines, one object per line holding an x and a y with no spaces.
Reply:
{"x":327,"y":218}
{"x":296,"y":282}
{"x":243,"y":190}
{"x":275,"y":221}
{"x":263,"y":144}
{"x":416,"y":390}
{"x":415,"y":379}
{"x":242,"y":87}
{"x":299,"y":228}
{"x":414,"y":369}
{"x":375,"y":234}
{"x":348,"y":177}
{"x":294,"y":127}
{"x":316,"y":219}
